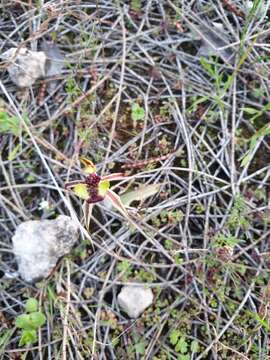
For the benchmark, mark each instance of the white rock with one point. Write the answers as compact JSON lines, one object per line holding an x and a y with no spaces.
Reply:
{"x":25,"y":66}
{"x":135,"y":299}
{"x":38,"y":244}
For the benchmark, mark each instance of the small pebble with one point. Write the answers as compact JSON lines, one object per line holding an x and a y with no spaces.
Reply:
{"x":135,"y":299}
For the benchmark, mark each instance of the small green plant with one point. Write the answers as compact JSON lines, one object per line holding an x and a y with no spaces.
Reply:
{"x":85,"y":134}
{"x":237,"y":216}
{"x":221,"y":240}
{"x":165,"y":110}
{"x":252,"y":142}
{"x":177,"y":258}
{"x":171,"y":216}
{"x":181,"y":346}
{"x":221,"y":81}
{"x":168,"y":244}
{"x":9,"y":124}
{"x":137,"y":346}
{"x":259,"y":134}
{"x":29,"y":322}
{"x":137,"y":112}
{"x":179,"y":341}
{"x":124,"y":269}
{"x":145,"y":276}
{"x":71,"y":87}
{"x":135,"y":5}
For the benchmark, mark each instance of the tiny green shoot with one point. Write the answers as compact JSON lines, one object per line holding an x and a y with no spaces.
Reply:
{"x":30,"y":322}
{"x":137,"y":112}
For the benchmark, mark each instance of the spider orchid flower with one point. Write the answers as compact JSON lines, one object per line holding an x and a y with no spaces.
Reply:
{"x":94,"y":188}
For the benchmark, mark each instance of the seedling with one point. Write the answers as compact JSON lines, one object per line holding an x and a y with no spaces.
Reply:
{"x":238,"y":215}
{"x":124,"y":269}
{"x":181,"y":346}
{"x":29,"y":322}
{"x":9,"y":124}
{"x":137,"y":112}
{"x":135,"y":5}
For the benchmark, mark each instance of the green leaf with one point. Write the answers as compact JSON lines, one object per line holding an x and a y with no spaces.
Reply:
{"x":30,"y":321}
{"x":36,"y":319}
{"x":124,"y":268}
{"x":140,"y":347}
{"x":264,"y":131}
{"x":250,"y":110}
{"x":245,"y":159}
{"x":267,"y":106}
{"x":137,"y":112}
{"x":28,"y":337}
{"x":22,"y":321}
{"x":103,"y":187}
{"x":135,"y":5}
{"x":139,"y":195}
{"x":81,"y":191}
{"x":182,"y":345}
{"x":228,"y":83}
{"x":253,"y":142}
{"x":207,"y":67}
{"x":261,"y":321}
{"x":31,"y":305}
{"x":9,"y":124}
{"x":194,"y":346}
{"x":13,"y":152}
{"x":174,"y":336}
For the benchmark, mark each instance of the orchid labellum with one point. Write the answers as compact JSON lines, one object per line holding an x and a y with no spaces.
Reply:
{"x":94,"y":188}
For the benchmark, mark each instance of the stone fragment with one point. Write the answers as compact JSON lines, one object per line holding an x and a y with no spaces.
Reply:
{"x":25,"y":66}
{"x":135,"y":299}
{"x":38,"y":245}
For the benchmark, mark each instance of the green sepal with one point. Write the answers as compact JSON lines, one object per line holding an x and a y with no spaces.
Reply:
{"x":103,"y":187}
{"x":81,"y":191}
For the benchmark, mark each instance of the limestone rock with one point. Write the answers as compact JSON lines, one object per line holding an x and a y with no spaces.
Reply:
{"x":135,"y":299}
{"x":38,"y":245}
{"x":25,"y":66}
